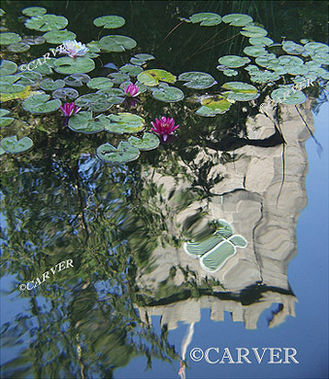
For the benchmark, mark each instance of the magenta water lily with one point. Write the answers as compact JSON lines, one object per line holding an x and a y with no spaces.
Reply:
{"x":69,"y":109}
{"x":164,"y":127}
{"x":131,"y":90}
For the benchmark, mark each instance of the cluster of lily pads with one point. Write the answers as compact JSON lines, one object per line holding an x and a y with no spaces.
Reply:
{"x":267,"y":68}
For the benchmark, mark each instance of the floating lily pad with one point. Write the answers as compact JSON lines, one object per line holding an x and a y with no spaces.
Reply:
{"x":287,"y":95}
{"x":316,"y":47}
{"x":131,"y":70}
{"x":291,"y":47}
{"x":9,"y":38}
{"x":110,"y":22}
{"x":254,"y":51}
{"x":40,"y":104}
{"x":241,"y":91}
{"x":152,"y":77}
{"x":124,"y":123}
{"x":260,"y":76}
{"x":85,"y":123}
{"x":50,"y":85}
{"x":206,"y":112}
{"x":18,"y":47}
{"x":8,"y":84}
{"x":117,"y":43}
{"x":237,"y":19}
{"x":233,"y":61}
{"x":296,"y":69}
{"x":41,"y":66}
{"x":65,"y":94}
{"x":288,"y":60}
{"x":144,"y":56}
{"x":76,"y":80}
{"x":33,"y":40}
{"x":206,"y":19}
{"x":17,"y":95}
{"x":4,"y":120}
{"x":260,"y":41}
{"x":68,"y":65}
{"x":213,"y":105}
{"x":100,"y":83}
{"x":14,"y":146}
{"x":149,"y":141}
{"x":119,"y":77}
{"x":46,"y":22}
{"x":93,"y":46}
{"x":113,"y":95}
{"x":124,"y":153}
{"x":58,"y":36}
{"x":96,"y":102}
{"x":197,"y":80}
{"x":167,"y":93}
{"x":322,"y":58}
{"x":34,"y":11}
{"x":29,"y":77}
{"x":7,"y":67}
{"x":253,"y":31}
{"x":229,"y":72}
{"x":267,"y":60}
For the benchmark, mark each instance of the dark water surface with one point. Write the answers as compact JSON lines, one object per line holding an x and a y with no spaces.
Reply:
{"x":135,"y":304}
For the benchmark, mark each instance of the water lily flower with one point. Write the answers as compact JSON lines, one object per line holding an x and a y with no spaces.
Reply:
{"x":131,"y":90}
{"x":74,"y":49}
{"x":164,"y":127}
{"x":69,"y":109}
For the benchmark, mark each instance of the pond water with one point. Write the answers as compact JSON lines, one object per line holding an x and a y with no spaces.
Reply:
{"x":199,"y":252}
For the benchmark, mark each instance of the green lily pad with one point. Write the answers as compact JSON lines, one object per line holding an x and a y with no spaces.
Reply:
{"x":288,"y":60}
{"x":33,"y":40}
{"x":96,"y":102}
{"x":149,"y":141}
{"x":113,"y":95}
{"x":46,"y":22}
{"x":264,"y":76}
{"x":7,"y":67}
{"x":100,"y":83}
{"x":40,"y":104}
{"x":216,"y":103}
{"x":68,"y":65}
{"x":124,"y":123}
{"x":254,"y":51}
{"x":206,"y":112}
{"x":46,"y":68}
{"x":197,"y":80}
{"x":94,"y":47}
{"x":9,"y":38}
{"x":152,"y":77}
{"x":124,"y":153}
{"x":5,"y":121}
{"x":296,"y":69}
{"x":316,"y":47}
{"x":109,"y":22}
{"x":167,"y":93}
{"x":34,"y":11}
{"x":117,"y":43}
{"x":287,"y":95}
{"x":65,"y":94}
{"x":322,"y":58}
{"x":14,"y":146}
{"x":76,"y":80}
{"x":260,"y":41}
{"x":8,"y":85}
{"x":267,"y":61}
{"x":85,"y":123}
{"x":18,"y":47}
{"x":50,"y":85}
{"x":253,"y":31}
{"x":28,"y":77}
{"x":131,"y":70}
{"x":291,"y":47}
{"x":233,"y":61}
{"x":240,"y":91}
{"x":119,"y":77}
{"x":237,"y":19}
{"x":144,"y":56}
{"x":58,"y":36}
{"x":229,"y":72}
{"x":206,"y":19}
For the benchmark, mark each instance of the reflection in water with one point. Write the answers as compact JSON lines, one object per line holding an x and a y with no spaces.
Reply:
{"x":125,"y":226}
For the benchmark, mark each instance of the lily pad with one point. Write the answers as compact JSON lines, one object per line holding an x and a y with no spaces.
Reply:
{"x":144,"y":56}
{"x":110,"y":22}
{"x":58,"y":36}
{"x":100,"y":83}
{"x":206,"y":19}
{"x":50,"y":85}
{"x":152,"y":77}
{"x":213,"y":105}
{"x":291,"y":47}
{"x":46,"y":22}
{"x":131,"y":70}
{"x":237,"y":19}
{"x":260,"y":41}
{"x":229,"y":72}
{"x":85,"y":123}
{"x":119,"y":77}
{"x":4,"y":120}
{"x":9,"y":38}
{"x":40,"y":104}
{"x":124,"y":153}
{"x":124,"y":123}
{"x":33,"y":40}
{"x":113,"y":95}
{"x":18,"y":47}
{"x":253,"y":31}
{"x":288,"y":60}
{"x":117,"y":43}
{"x":240,"y":91}
{"x":167,"y":93}
{"x":233,"y":61}
{"x":316,"y":47}
{"x":96,"y":102}
{"x":197,"y":80}
{"x":68,"y":65}
{"x":206,"y":112}
{"x":7,"y":67}
{"x":34,"y":11}
{"x":254,"y":51}
{"x":287,"y":95}
{"x":14,"y":146}
{"x":65,"y":94}
{"x":46,"y":68}
{"x":76,"y":80}
{"x":149,"y":141}
{"x":8,"y":84}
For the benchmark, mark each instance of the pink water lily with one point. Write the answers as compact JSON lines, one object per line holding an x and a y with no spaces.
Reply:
{"x":164,"y":127}
{"x":69,"y":109}
{"x":131,"y":90}
{"x":73,"y":49}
